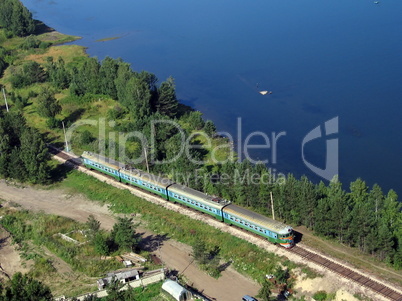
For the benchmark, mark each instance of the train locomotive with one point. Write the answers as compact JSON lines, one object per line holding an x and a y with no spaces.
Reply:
{"x":223,"y":210}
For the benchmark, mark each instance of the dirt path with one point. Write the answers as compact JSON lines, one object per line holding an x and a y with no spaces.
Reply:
{"x":10,"y":260}
{"x":230,"y":286}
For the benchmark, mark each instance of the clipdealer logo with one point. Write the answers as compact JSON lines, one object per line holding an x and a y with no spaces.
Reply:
{"x":331,"y":127}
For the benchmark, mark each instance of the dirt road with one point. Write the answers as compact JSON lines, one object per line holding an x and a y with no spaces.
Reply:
{"x":230,"y":286}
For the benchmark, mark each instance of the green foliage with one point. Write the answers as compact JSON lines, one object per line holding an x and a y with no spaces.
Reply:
{"x":3,"y":63}
{"x":113,"y":290}
{"x":93,"y":225}
{"x":265,"y":291}
{"x":42,"y":230}
{"x":108,"y":74}
{"x":245,"y":257}
{"x":48,"y":106}
{"x":23,"y":152}
{"x":209,"y":128}
{"x":30,"y":42}
{"x":281,"y":275}
{"x":116,"y":113}
{"x":100,"y":244}
{"x":42,"y":267}
{"x":86,"y":137}
{"x":59,"y":76}
{"x":123,"y":233}
{"x":323,"y":296}
{"x":53,"y":123}
{"x":15,"y":18}
{"x":193,"y":120}
{"x":19,"y":101}
{"x":200,"y":253}
{"x":30,"y":72}
{"x":23,"y":287}
{"x":167,"y":103}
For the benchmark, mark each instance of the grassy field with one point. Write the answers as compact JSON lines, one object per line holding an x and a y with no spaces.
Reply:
{"x":67,"y":268}
{"x":247,"y":258}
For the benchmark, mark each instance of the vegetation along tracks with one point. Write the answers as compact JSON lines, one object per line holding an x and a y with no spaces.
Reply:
{"x":298,"y":250}
{"x":347,"y":273}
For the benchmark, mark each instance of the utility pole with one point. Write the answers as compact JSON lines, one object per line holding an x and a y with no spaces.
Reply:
{"x":5,"y":99}
{"x":65,"y":136}
{"x":146,"y":158}
{"x":272,"y":207}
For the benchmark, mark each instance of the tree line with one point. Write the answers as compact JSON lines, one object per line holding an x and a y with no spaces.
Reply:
{"x":365,"y":218}
{"x":15,"y":18}
{"x":137,"y":92}
{"x":362,"y":217}
{"x":23,"y":152}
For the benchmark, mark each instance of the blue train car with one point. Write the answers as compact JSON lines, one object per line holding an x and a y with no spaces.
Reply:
{"x":220,"y":209}
{"x":146,"y":181}
{"x":102,"y":164}
{"x":197,"y":200}
{"x":274,"y":231}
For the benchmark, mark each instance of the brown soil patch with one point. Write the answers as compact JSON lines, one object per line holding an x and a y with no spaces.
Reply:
{"x":67,"y":52}
{"x":10,"y":260}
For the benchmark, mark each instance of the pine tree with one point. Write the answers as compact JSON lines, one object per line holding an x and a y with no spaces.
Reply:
{"x":48,"y":106}
{"x":16,"y":18}
{"x":108,"y":75}
{"x":123,"y":233}
{"x":23,"y":287}
{"x":124,"y":73}
{"x":167,"y":103}
{"x":265,"y":291}
{"x":307,"y":202}
{"x":35,"y":156}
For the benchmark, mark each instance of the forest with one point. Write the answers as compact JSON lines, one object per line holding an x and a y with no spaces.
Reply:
{"x":358,"y":215}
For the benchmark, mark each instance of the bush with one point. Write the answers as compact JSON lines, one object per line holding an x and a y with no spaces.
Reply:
{"x":320,"y":296}
{"x":30,"y":42}
{"x":86,"y":137}
{"x":20,"y":102}
{"x":44,"y":45}
{"x":18,"y":81}
{"x":53,"y":123}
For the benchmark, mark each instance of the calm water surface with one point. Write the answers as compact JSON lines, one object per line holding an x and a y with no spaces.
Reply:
{"x":321,"y":59}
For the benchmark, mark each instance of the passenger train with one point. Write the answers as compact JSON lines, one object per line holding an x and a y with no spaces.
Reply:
{"x":222,"y":210}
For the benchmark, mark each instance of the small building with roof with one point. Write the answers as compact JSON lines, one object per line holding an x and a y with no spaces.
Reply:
{"x":176,"y":291}
{"x":123,"y":277}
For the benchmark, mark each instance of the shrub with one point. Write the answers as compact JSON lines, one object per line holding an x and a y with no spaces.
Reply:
{"x":320,"y":296}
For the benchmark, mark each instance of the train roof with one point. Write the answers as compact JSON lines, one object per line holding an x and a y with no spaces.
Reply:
{"x":258,"y":219}
{"x":144,"y":176}
{"x":124,"y":169}
{"x":195,"y":195}
{"x":102,"y":159}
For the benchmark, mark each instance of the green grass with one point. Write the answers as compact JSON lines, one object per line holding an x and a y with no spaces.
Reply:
{"x":107,"y":39}
{"x":35,"y":232}
{"x":247,"y":258}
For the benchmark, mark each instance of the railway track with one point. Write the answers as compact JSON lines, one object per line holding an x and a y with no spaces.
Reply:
{"x":305,"y":254}
{"x":347,"y":273}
